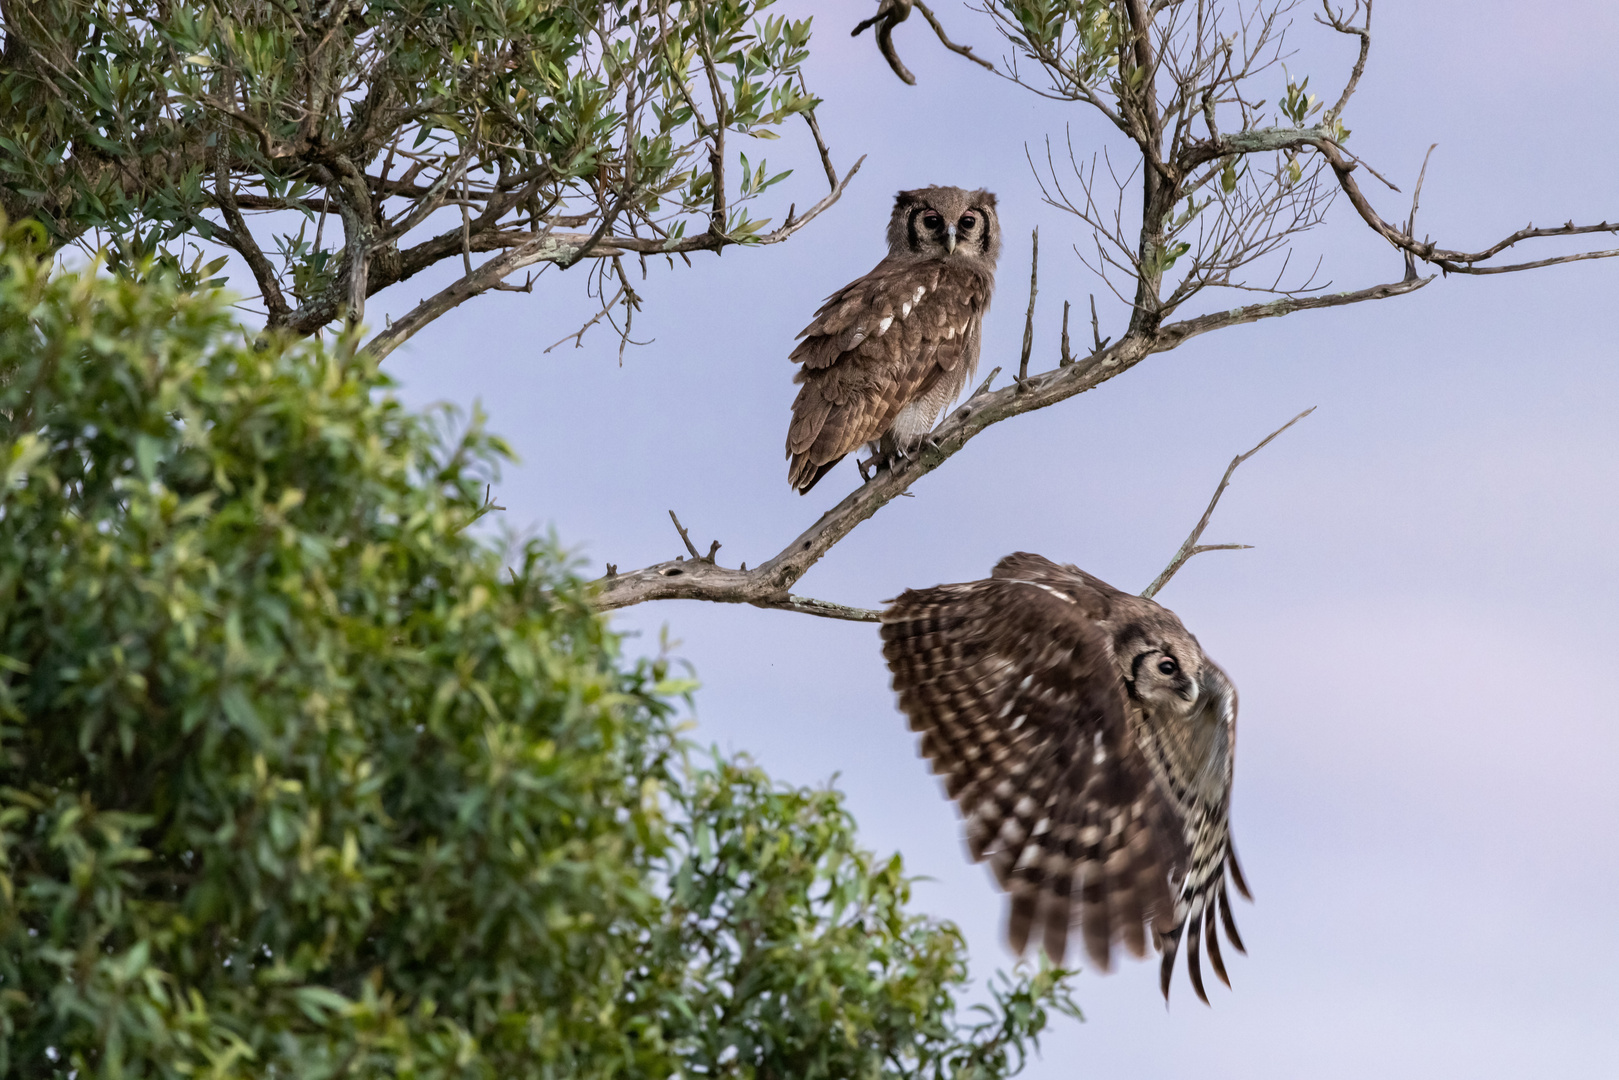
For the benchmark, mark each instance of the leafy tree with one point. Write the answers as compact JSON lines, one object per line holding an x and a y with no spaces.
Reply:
{"x":341,"y":147}
{"x":297,"y":778}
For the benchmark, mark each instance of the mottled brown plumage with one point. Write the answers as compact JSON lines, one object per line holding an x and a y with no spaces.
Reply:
{"x":888,"y":351}
{"x":1088,"y":743}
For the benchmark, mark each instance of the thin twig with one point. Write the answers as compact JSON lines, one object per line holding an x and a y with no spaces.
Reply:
{"x":944,"y":39}
{"x":1364,"y":32}
{"x":1192,"y":547}
{"x":1416,"y":196}
{"x":1099,"y":342}
{"x":578,"y":336}
{"x":1456,"y":262}
{"x":820,"y":146}
{"x":1411,"y":219}
{"x":714,"y":546}
{"x":488,"y":505}
{"x":1028,"y":322}
{"x":1067,"y":357}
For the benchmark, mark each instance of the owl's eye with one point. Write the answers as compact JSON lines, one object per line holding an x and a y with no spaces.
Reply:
{"x":1168,"y":667}
{"x":933,"y":221}
{"x":968,"y":222}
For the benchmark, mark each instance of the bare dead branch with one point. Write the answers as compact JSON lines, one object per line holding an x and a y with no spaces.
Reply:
{"x":826,"y":155}
{"x":1416,"y":194}
{"x":1287,"y":305}
{"x":1346,"y":25}
{"x":1028,"y":322}
{"x":1458,"y":262}
{"x":1067,"y":357}
{"x":1191,"y":547}
{"x":578,"y":336}
{"x":1411,"y":219}
{"x":713,"y":549}
{"x":1098,"y":341}
{"x":825,"y":609}
{"x":768,"y":584}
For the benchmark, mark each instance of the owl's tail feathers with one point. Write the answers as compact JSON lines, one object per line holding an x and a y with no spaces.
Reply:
{"x":1198,"y":929}
{"x":1236,"y":873}
{"x":804,"y":474}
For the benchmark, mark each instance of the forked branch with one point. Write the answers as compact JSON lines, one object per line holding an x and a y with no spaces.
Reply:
{"x":1222,"y":187}
{"x":1456,"y":262}
{"x":769,"y":584}
{"x":1192,"y":547}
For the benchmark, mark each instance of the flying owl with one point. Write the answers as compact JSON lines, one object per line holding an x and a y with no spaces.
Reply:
{"x":889,"y":350}
{"x":1088,"y":743}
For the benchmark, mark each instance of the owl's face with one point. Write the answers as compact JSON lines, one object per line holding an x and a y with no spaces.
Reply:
{"x":1166,"y":672}
{"x":945,"y":223}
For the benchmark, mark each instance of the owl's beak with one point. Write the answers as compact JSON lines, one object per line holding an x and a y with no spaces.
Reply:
{"x":950,"y":239}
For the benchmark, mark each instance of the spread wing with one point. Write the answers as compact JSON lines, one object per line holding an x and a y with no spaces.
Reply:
{"x":876,"y":345}
{"x":1014,"y":691}
{"x":1070,"y":788}
{"x":1190,"y":758}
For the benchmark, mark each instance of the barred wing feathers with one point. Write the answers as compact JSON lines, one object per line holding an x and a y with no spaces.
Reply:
{"x":1014,"y":685}
{"x":902,"y":332}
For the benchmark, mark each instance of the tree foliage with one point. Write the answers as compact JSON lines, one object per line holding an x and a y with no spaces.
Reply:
{"x":320,"y":142}
{"x":301,"y":776}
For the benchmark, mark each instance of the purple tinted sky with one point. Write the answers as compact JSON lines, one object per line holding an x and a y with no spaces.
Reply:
{"x":1424,"y":637}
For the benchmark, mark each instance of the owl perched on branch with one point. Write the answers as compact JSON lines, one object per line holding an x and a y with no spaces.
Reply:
{"x":889,"y":350}
{"x":1088,"y":743}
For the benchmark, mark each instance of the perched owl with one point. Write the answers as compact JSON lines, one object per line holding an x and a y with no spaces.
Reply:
{"x":1088,"y":743}
{"x":888,"y":351}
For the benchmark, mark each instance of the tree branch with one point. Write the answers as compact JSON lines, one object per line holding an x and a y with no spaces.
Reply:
{"x":944,"y":39}
{"x":1318,"y":139}
{"x":1028,"y":320}
{"x":567,"y":248}
{"x":769,"y":584}
{"x":1192,"y":547}
{"x":1456,"y":262}
{"x":1218,"y":320}
{"x":241,"y":240}
{"x":890,"y":13}
{"x":1343,"y":25}
{"x":713,"y":549}
{"x":1249,"y":222}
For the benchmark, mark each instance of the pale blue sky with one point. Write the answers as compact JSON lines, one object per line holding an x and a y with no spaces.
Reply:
{"x":1424,"y":636}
